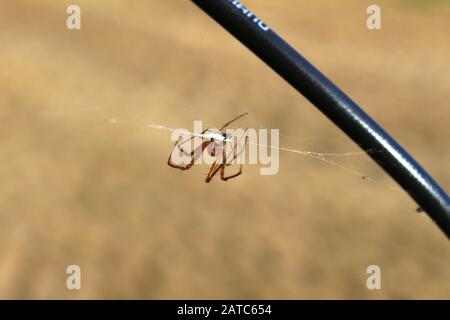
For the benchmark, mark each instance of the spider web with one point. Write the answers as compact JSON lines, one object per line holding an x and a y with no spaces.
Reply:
{"x":345,"y":161}
{"x":330,"y":158}
{"x":311,"y":147}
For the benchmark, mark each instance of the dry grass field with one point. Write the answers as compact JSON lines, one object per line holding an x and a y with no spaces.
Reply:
{"x":84,"y":180}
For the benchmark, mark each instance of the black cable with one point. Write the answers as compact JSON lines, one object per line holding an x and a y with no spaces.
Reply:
{"x":334,"y":103}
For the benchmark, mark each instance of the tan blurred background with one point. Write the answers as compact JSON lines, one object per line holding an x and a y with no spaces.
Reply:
{"x":84,"y":180}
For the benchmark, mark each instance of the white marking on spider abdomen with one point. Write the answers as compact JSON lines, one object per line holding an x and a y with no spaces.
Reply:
{"x":217,"y":136}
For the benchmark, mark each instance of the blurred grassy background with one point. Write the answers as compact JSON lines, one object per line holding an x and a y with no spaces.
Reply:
{"x":84,"y":180}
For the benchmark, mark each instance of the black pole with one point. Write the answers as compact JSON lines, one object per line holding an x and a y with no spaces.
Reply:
{"x":334,"y":103}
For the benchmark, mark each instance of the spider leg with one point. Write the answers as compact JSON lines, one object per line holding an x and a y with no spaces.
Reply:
{"x":214,"y":169}
{"x":194,"y":156}
{"x":235,"y":154}
{"x":233,"y":120}
{"x":178,"y":144}
{"x":222,"y":172}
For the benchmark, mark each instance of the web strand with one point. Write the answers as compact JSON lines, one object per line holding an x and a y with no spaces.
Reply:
{"x":324,"y":157}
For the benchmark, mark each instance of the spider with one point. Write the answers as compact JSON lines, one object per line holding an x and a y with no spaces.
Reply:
{"x":213,"y":141}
